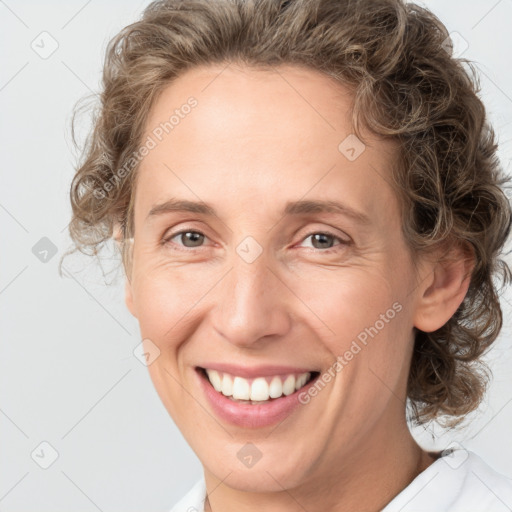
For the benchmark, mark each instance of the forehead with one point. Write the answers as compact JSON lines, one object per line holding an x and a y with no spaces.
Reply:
{"x":259,"y":134}
{"x":244,"y":97}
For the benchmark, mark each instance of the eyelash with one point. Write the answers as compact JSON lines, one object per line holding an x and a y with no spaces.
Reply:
{"x":167,"y":240}
{"x":341,"y":241}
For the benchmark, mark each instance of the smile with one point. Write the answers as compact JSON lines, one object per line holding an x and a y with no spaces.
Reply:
{"x":260,"y":398}
{"x":259,"y":389}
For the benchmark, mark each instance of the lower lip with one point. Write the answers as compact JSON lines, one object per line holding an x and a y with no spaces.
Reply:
{"x":248,"y":415}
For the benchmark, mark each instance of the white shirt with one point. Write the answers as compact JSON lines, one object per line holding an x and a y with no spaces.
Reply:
{"x":459,"y":481}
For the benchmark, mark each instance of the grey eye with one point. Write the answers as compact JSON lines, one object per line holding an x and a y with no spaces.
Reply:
{"x":322,"y":240}
{"x":190,"y":238}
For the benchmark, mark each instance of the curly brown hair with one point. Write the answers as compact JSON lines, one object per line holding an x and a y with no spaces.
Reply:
{"x":407,"y":86}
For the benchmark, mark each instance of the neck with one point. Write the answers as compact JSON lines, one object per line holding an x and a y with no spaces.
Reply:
{"x":366,"y":479}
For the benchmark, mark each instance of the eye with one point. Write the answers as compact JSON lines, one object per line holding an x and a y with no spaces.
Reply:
{"x":187,"y":238}
{"x":320,"y":240}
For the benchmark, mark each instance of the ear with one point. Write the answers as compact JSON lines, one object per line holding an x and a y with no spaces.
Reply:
{"x":128,"y":297}
{"x":117,"y":235}
{"x":117,"y":232}
{"x":444,"y":288}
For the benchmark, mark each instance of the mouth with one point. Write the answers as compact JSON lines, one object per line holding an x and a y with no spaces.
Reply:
{"x":253,"y":397}
{"x":258,"y":390}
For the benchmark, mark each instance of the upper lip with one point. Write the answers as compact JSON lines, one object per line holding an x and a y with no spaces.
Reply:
{"x":249,"y":372}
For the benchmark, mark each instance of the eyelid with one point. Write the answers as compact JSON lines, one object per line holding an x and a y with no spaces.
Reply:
{"x":326,"y":230}
{"x":342,"y":240}
{"x":168,"y":237}
{"x":185,"y":225}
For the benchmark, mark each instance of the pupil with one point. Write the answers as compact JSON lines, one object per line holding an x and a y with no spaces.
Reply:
{"x":322,"y":238}
{"x":192,"y":239}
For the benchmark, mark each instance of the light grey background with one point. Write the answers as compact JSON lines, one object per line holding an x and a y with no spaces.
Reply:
{"x":67,"y":369}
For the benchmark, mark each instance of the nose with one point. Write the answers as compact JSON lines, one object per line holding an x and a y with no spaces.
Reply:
{"x":253,"y":304}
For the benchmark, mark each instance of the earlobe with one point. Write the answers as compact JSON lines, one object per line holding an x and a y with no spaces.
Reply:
{"x":117,"y":235}
{"x":128,"y":297}
{"x":444,"y":289}
{"x":117,"y":232}
{"x":128,"y":289}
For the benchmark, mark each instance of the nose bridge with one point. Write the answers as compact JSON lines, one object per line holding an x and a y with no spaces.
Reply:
{"x":252,"y":302}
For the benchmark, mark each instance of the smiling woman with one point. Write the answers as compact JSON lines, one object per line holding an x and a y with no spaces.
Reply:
{"x":312,"y":245}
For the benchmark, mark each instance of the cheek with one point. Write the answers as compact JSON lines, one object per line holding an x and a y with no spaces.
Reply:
{"x":346,"y":302}
{"x":168,"y":299}
{"x":362,"y":319}
{"x":168,"y":303}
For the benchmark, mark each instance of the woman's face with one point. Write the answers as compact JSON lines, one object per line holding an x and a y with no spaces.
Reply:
{"x":268,"y":247}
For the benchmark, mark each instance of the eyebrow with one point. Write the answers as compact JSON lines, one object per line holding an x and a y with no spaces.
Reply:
{"x":177,"y":205}
{"x":300,"y":207}
{"x":321,"y":206}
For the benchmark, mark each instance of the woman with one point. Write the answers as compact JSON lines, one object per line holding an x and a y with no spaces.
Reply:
{"x":310,"y":212}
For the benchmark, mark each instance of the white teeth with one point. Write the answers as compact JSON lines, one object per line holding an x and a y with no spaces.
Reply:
{"x":276,"y":388}
{"x":302,"y":380}
{"x":259,"y":390}
{"x":241,"y":389}
{"x":215,"y":379}
{"x":289,"y":385}
{"x":227,"y":385}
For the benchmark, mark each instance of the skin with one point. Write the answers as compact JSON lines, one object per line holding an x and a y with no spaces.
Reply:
{"x":256,"y":140}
